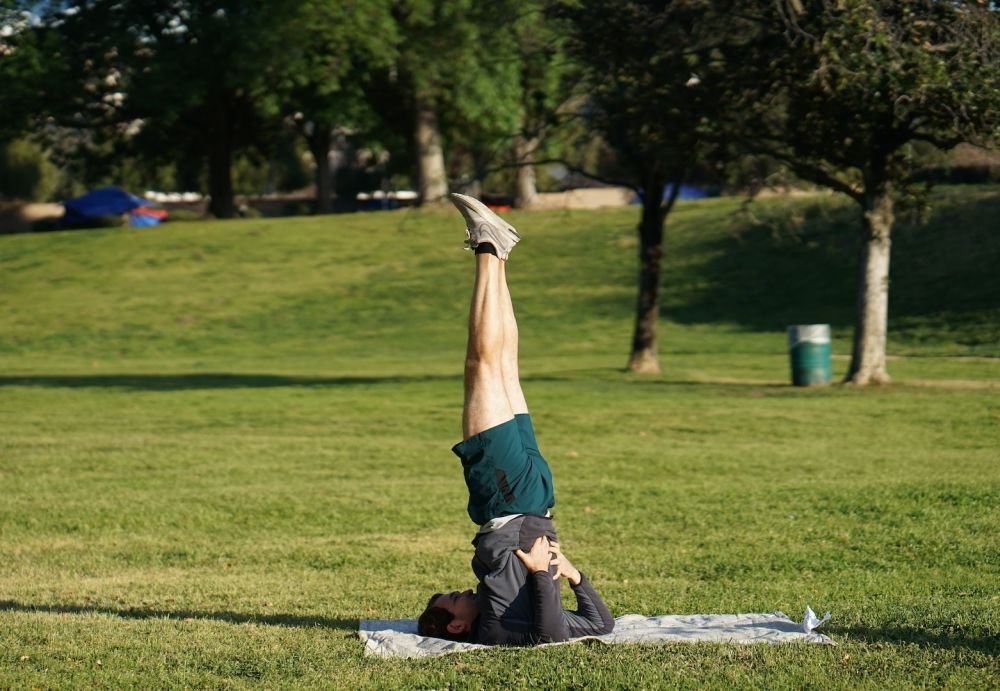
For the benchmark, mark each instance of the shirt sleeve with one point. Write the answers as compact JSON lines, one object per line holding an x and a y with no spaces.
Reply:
{"x":550,"y":624}
{"x":541,"y":620}
{"x":592,"y":617}
{"x":553,"y":624}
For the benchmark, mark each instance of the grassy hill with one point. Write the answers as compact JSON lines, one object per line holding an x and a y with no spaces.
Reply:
{"x":342,"y":292}
{"x":223,"y":444}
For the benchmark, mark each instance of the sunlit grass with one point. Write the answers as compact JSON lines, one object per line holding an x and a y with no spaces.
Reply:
{"x":221,"y":445}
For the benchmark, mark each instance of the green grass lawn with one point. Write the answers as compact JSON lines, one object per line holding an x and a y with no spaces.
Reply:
{"x":223,"y":444}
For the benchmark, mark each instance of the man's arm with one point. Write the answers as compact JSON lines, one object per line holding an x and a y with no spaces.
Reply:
{"x":549,"y":624}
{"x":592,"y":617}
{"x":536,"y":614}
{"x":552,"y":623}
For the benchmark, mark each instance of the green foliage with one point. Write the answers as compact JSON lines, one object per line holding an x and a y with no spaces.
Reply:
{"x":21,"y":58}
{"x":341,"y":49}
{"x":225,"y":443}
{"x":840,"y":90}
{"x":249,"y":175}
{"x":655,"y":78}
{"x":861,"y":81}
{"x":546,"y":89}
{"x":184,"y":215}
{"x":26,"y":173}
{"x":456,"y":55}
{"x":189,"y":84}
{"x":289,"y":170}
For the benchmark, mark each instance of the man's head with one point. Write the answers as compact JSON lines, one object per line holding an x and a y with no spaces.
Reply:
{"x":450,"y":615}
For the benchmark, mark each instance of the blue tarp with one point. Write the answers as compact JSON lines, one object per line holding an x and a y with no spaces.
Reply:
{"x":106,"y":201}
{"x":686,"y":192}
{"x":142,"y":221}
{"x":689,"y":192}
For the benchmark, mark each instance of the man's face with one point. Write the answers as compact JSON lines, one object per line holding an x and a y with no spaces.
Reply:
{"x":464,"y":606}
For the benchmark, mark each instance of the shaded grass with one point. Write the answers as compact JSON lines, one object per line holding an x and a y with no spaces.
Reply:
{"x":224,"y":444}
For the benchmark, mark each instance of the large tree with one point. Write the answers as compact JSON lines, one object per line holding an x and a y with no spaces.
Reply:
{"x":341,"y":48}
{"x":454,"y":76}
{"x":654,"y":76}
{"x":20,"y":68}
{"x":509,"y":108}
{"x":209,"y":70}
{"x":845,"y":87}
{"x":544,"y":91}
{"x":176,"y":78}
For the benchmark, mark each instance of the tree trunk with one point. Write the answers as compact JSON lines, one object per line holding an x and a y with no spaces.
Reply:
{"x":526,"y":192}
{"x":320,"y":140}
{"x":220,"y":180}
{"x":644,"y":358}
{"x":220,"y":161}
{"x":432,"y":184}
{"x":872,"y":310}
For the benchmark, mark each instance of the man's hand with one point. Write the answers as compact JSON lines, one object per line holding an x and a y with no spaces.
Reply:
{"x":540,"y":556}
{"x":564,"y":566}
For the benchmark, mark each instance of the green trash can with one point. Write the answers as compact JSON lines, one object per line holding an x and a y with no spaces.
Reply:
{"x":809,"y":350}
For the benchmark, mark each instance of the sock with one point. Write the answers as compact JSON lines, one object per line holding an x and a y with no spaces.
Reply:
{"x":486,"y":248}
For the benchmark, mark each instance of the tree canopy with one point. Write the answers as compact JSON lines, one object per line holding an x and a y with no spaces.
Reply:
{"x":656,"y":75}
{"x":21,"y":53}
{"x":840,"y":91}
{"x":844,"y":88}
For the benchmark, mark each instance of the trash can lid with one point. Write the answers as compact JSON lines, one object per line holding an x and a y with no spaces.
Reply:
{"x":808,"y":333}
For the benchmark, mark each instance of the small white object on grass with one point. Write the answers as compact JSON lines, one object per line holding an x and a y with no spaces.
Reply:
{"x":810,"y":621}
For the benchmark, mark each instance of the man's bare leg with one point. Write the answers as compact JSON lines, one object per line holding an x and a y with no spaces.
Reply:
{"x":487,"y":402}
{"x":511,"y":375}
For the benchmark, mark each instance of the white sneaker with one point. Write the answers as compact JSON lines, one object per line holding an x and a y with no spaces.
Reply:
{"x":482,"y":225}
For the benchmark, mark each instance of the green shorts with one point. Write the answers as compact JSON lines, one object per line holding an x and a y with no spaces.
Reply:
{"x":505,"y":472}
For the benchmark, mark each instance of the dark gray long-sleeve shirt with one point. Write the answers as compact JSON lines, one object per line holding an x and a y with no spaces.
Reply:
{"x":517,"y":608}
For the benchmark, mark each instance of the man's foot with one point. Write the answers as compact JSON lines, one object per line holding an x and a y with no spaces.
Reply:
{"x":482,"y":225}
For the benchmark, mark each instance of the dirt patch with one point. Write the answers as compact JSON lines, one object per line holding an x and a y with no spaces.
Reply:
{"x":586,"y":198}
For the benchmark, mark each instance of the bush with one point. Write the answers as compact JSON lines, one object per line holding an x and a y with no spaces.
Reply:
{"x":26,"y":173}
{"x":298,"y":207}
{"x":45,"y":225}
{"x":182,"y":215}
{"x":246,"y":211}
{"x":959,"y":175}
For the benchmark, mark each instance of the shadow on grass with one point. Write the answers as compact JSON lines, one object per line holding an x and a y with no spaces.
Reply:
{"x":793,"y":267}
{"x":196,"y":381}
{"x":287,"y":620}
{"x":925,"y":639}
{"x":208,"y":380}
{"x":620,"y":376}
{"x":798,"y":264}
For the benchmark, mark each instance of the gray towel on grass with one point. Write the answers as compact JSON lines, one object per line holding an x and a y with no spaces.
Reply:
{"x":399,"y":638}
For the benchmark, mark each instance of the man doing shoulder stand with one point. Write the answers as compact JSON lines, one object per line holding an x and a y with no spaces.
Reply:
{"x":517,"y":558}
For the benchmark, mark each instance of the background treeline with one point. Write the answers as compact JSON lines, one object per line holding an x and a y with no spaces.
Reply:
{"x":850,"y":95}
{"x":248,"y":97}
{"x":241,"y":96}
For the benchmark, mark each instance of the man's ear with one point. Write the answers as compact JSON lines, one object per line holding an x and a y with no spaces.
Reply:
{"x":456,"y":627}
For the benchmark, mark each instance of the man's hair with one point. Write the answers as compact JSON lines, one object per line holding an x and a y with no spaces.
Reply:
{"x":434,"y":622}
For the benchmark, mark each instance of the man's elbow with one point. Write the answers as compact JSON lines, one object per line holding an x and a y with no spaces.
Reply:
{"x":554,"y":633}
{"x":558,"y":635}
{"x":607,"y":625}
